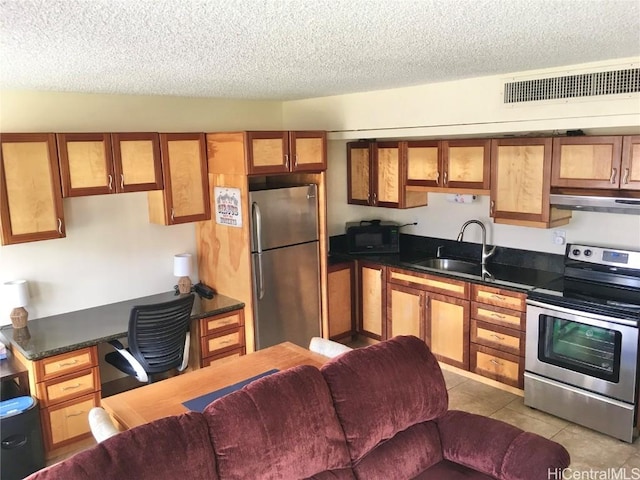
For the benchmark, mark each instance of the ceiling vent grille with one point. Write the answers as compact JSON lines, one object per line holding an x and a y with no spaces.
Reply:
{"x":572,"y":86}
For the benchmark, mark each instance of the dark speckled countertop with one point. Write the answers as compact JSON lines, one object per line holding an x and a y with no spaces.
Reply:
{"x":84,"y":328}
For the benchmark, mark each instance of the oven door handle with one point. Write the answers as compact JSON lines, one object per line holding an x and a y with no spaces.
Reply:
{"x":576,"y":311}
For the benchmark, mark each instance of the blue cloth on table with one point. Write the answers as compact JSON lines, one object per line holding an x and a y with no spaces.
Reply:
{"x":198,"y":404}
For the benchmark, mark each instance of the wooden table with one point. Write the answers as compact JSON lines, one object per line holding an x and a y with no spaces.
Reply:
{"x":162,"y":399}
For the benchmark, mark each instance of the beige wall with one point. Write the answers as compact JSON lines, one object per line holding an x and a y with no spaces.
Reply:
{"x":470,"y":107}
{"x":111,"y":251}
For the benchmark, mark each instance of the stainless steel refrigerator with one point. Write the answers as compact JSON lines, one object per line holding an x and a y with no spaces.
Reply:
{"x":286,"y":265}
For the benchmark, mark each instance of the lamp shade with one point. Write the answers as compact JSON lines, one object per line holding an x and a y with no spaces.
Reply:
{"x":17,"y":293}
{"x":182,"y":265}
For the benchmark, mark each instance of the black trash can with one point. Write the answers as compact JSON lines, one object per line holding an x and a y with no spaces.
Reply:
{"x":21,"y":448}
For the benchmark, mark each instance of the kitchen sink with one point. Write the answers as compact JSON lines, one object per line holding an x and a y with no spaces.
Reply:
{"x":450,"y":264}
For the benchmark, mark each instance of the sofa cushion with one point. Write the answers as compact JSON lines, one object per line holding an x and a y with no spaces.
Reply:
{"x":452,"y":471}
{"x":280,"y":426}
{"x":405,"y":455}
{"x":531,"y":456}
{"x":172,"y":447}
{"x":383,"y":389}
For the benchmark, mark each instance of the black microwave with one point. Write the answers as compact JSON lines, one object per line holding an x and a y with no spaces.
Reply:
{"x":373,"y":236}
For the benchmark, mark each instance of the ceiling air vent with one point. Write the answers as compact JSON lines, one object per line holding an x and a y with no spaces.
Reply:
{"x":612,"y":82}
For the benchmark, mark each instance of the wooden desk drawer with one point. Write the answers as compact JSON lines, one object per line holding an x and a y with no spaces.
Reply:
{"x":499,"y":297}
{"x":222,"y":341}
{"x":221,"y":358}
{"x":498,"y":315}
{"x":432,"y":283}
{"x":500,"y":338}
{"x":70,"y":386}
{"x":223,"y":321}
{"x":498,"y":365}
{"x":67,"y":422}
{"x":64,"y":363}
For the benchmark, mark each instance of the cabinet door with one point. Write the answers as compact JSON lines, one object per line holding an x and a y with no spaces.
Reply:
{"x":268,"y":152}
{"x":185,"y":197}
{"x":86,"y":164}
{"x":359,"y":173}
{"x":630,"y":168}
{"x":308,"y":151}
{"x":372,"y":300}
{"x":340,"y":286}
{"x":423,"y":164}
{"x":387,"y":188}
{"x":137,"y":163}
{"x":30,"y":194}
{"x":466,"y":164}
{"x":405,"y":311}
{"x":520,"y":173}
{"x":447,"y":329}
{"x":586,"y":162}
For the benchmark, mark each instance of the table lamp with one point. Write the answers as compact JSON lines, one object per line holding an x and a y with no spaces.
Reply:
{"x":182,"y":269}
{"x":17,"y":293}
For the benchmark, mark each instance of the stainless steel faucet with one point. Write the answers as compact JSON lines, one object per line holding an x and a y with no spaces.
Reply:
{"x":485,"y":253}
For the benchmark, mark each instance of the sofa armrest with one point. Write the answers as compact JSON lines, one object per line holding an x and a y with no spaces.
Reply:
{"x":498,"y":449}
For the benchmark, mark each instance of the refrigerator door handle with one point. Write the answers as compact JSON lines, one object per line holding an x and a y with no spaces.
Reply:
{"x":257,"y":231}
{"x":260,"y":277}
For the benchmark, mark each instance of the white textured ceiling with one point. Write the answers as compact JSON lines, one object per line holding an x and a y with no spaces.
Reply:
{"x":289,"y":49}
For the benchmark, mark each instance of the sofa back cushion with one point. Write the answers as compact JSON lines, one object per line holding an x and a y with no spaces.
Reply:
{"x":383,"y":389}
{"x":172,"y":447}
{"x":280,"y":426}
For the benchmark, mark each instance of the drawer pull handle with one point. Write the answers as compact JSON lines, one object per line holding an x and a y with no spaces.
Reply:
{"x":497,"y":315}
{"x":496,"y":336}
{"x":495,"y":362}
{"x":499,"y":297}
{"x":71,"y":387}
{"x":77,"y":414}
{"x":226,"y":342}
{"x":68,"y":364}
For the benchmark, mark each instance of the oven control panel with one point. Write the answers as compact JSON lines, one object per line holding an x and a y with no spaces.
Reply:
{"x":604,"y":256}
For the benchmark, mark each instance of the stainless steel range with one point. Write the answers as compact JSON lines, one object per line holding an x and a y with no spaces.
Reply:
{"x":581,"y":360}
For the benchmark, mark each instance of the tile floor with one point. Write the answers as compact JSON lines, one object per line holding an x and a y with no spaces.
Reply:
{"x":589,"y":450}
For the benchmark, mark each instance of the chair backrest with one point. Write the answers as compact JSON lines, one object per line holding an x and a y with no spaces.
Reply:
{"x":157,"y":333}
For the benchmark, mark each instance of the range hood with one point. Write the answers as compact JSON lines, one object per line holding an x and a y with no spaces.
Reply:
{"x":629,"y":206}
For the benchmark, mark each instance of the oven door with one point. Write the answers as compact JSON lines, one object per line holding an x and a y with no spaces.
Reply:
{"x":586,"y":350}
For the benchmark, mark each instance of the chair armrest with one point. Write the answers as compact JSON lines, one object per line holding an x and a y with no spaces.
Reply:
{"x":140,"y":375}
{"x":498,"y":449}
{"x":116,"y":344}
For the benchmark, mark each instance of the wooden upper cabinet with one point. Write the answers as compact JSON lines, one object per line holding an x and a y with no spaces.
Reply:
{"x":285,"y":152}
{"x":137,"y":162}
{"x":449,"y":164}
{"x":520,"y":173}
{"x":101,"y":163}
{"x":359,"y":165}
{"x":30,"y":193}
{"x":86,"y":164}
{"x":586,"y":162}
{"x":630,"y":167}
{"x":185,"y":197}
{"x":388,"y":166}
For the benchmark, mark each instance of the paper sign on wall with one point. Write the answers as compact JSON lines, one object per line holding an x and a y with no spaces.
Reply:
{"x":228,"y":206}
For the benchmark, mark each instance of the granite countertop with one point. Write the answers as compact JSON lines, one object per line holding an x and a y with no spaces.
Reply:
{"x":509,"y":268}
{"x":70,"y":331}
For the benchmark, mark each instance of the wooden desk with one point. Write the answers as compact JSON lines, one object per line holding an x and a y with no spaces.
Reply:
{"x":162,"y":399}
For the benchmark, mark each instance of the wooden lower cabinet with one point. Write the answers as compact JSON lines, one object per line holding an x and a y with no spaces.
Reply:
{"x":447,"y":329}
{"x":372,"y":311}
{"x":341,"y":288}
{"x":68,"y":422}
{"x":405,"y":311}
{"x":498,"y":365}
{"x":221,"y":336}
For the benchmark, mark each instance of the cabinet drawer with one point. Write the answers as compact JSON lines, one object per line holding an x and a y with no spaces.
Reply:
{"x":69,"y":421}
{"x":498,"y":365}
{"x":223,"y":321}
{"x":432,"y":283}
{"x":498,"y":315}
{"x":501,"y":338}
{"x":499,"y":297}
{"x":225,"y":340}
{"x":68,"y":387}
{"x":64,"y":363}
{"x":223,"y":357}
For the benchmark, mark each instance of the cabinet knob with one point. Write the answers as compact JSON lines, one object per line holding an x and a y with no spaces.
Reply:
{"x":375,"y":198}
{"x":438,"y":178}
{"x":286,"y":160}
{"x":59,"y":226}
{"x":444,"y":178}
{"x":625,"y":180}
{"x":110,"y":182}
{"x":614,"y":174}
{"x":295,"y":160}
{"x":492,"y":207}
{"x":173,"y":214}
{"x":122,"y":181}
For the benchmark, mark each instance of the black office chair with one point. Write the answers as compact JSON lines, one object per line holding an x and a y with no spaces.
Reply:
{"x":158,"y":339}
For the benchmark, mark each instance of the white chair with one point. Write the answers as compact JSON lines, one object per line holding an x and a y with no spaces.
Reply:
{"x":101,"y":425}
{"x":328,"y":348}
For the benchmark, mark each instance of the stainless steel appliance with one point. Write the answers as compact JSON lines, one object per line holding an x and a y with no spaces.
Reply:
{"x":581,"y":360}
{"x":373,"y":236}
{"x":286,"y":265}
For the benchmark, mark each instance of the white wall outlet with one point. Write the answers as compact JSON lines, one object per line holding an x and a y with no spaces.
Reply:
{"x":559,"y":237}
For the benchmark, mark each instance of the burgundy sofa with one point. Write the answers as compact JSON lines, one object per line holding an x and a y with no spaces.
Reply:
{"x":374,"y":413}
